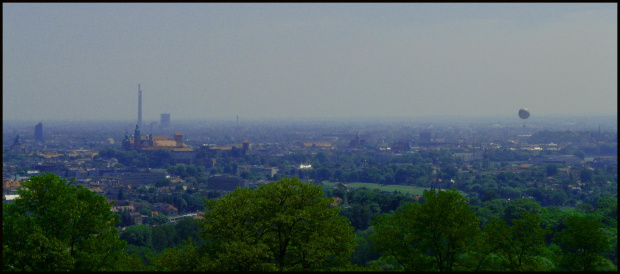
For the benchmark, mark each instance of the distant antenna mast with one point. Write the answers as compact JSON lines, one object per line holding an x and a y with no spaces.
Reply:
{"x":237,"y":120}
{"x":139,"y":106}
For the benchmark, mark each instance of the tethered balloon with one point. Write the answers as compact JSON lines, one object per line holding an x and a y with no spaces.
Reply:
{"x":524,"y":113}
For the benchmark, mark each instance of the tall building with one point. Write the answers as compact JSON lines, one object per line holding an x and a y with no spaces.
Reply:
{"x":139,"y":106}
{"x":485,"y":159}
{"x":17,"y":146}
{"x":246,"y":147}
{"x":179,"y":151}
{"x":165,"y":120}
{"x":425,"y":137}
{"x":126,"y":141}
{"x":178,"y":139}
{"x":357,"y":142}
{"x":38,"y":132}
{"x":137,"y":140}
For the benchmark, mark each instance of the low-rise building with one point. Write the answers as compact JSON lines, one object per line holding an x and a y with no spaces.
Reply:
{"x":137,"y":217}
{"x":141,"y":178}
{"x":555,"y":159}
{"x":225,"y":182}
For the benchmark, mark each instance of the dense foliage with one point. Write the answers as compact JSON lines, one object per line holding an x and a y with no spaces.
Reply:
{"x":58,"y":226}
{"x":429,"y":236}
{"x":290,"y":225}
{"x":287,"y":226}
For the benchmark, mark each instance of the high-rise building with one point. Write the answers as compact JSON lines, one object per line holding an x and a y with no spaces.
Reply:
{"x":165,"y":120}
{"x":246,"y":147}
{"x":139,"y":106}
{"x":485,"y":159}
{"x":17,"y":146}
{"x":425,"y":137}
{"x":357,"y":142}
{"x":38,"y":132}
{"x":178,"y":138}
{"x":137,"y":140}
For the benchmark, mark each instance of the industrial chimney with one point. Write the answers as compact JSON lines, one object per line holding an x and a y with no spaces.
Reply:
{"x":139,"y":106}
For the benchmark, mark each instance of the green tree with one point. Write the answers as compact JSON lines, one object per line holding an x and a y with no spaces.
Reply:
{"x":608,"y":207}
{"x":138,"y":235}
{"x":552,"y":170}
{"x":489,"y":210}
{"x":586,"y":175}
{"x":582,"y":243}
{"x":397,"y":242}
{"x":520,"y":245}
{"x":142,"y":190}
{"x":322,"y":174}
{"x":159,"y":219}
{"x":428,"y":236}
{"x":145,"y":210}
{"x":163,"y":237}
{"x":143,"y":253}
{"x":184,"y":257}
{"x":57,"y":226}
{"x":121,"y":194}
{"x":363,"y":251}
{"x":359,"y":216}
{"x":186,"y":228}
{"x":287,"y":225}
{"x":162,"y":182}
{"x":125,"y":218}
{"x":515,"y":209}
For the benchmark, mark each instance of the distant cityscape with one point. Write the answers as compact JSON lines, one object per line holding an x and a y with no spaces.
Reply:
{"x":156,"y":176}
{"x":411,"y":137}
{"x":158,"y":173}
{"x":223,"y":151}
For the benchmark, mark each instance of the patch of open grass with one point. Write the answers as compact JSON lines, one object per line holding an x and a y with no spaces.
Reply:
{"x":159,"y":170}
{"x":412,"y":190}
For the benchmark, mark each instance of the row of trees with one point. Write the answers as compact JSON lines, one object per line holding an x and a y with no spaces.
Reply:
{"x":443,"y":234}
{"x":433,"y":168}
{"x":292,"y":226}
{"x":59,"y":226}
{"x":147,"y":241}
{"x":184,"y":171}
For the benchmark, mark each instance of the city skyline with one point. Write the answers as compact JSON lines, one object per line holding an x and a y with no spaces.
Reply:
{"x":213,"y":61}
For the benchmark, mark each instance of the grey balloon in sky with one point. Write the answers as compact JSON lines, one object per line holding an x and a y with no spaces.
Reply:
{"x":83,"y":61}
{"x":524,"y":113}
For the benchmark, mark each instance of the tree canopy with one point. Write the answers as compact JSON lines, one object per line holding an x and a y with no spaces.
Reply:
{"x":57,"y":226}
{"x":287,"y":225}
{"x":428,"y":236}
{"x":582,"y":243}
{"x":519,"y":245}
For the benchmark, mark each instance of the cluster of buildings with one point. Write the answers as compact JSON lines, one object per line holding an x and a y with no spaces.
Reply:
{"x":179,"y":151}
{"x":63,"y":155}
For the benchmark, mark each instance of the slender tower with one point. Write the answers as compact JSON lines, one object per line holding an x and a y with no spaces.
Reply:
{"x":139,"y":106}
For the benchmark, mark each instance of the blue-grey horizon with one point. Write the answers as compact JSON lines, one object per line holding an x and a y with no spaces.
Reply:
{"x":66,"y":61}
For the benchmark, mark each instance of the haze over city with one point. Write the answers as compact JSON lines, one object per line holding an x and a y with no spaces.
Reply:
{"x":310,"y":137}
{"x":204,"y":61}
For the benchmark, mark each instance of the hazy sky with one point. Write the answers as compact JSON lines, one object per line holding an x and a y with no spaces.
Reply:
{"x":209,"y":60}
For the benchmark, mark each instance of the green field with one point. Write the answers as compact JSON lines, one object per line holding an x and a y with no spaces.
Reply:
{"x":160,"y":170}
{"x":413,"y":190}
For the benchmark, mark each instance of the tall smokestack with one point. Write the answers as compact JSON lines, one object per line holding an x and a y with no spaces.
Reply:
{"x":139,"y":106}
